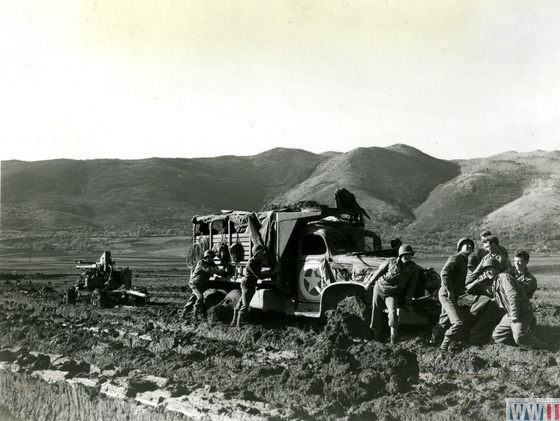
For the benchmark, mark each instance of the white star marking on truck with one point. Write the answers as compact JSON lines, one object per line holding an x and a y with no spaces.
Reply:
{"x":311,"y":281}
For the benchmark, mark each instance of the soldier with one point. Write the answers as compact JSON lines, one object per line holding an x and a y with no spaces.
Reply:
{"x":511,"y":298}
{"x":396,"y":243}
{"x":453,"y":277}
{"x":472,"y":263}
{"x":484,"y":237}
{"x":395,"y":277}
{"x":527,"y":281}
{"x":493,"y":249}
{"x":253,"y":272}
{"x":486,"y":313}
{"x":200,"y":278}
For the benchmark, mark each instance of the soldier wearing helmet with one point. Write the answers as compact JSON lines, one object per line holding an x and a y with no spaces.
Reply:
{"x":511,"y":298}
{"x":393,"y":279}
{"x":199,"y":282}
{"x":451,"y":322}
{"x":484,"y":311}
{"x":486,"y":314}
{"x":253,"y":272}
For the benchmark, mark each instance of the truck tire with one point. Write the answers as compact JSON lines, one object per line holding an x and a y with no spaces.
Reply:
{"x":99,"y":298}
{"x":213,"y":297}
{"x":70,"y":296}
{"x":231,"y":299}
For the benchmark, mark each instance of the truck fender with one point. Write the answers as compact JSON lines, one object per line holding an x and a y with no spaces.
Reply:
{"x":338,"y":291}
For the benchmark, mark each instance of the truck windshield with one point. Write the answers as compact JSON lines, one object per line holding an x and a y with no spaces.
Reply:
{"x":350,"y":242}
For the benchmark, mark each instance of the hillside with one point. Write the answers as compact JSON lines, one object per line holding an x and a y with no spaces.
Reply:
{"x":517,"y":195}
{"x":162,"y":193}
{"x":388,"y":182}
{"x":406,"y":192}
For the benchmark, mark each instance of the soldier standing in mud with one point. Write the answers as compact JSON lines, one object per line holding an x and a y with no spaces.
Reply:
{"x":393,"y":278}
{"x":511,"y":298}
{"x":253,"y":272}
{"x":199,"y":283}
{"x":453,"y":277}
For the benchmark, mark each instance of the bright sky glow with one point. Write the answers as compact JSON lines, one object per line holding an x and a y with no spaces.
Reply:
{"x":135,"y":79}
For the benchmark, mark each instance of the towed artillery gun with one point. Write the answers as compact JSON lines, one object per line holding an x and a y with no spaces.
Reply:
{"x":103,"y":284}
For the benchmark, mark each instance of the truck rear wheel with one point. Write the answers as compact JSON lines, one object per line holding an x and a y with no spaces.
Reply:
{"x":231,"y":298}
{"x":213,"y":297}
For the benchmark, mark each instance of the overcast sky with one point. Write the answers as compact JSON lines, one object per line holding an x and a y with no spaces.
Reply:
{"x":132,"y":79}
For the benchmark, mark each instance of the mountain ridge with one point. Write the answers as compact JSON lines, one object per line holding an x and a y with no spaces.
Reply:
{"x":407,"y":192}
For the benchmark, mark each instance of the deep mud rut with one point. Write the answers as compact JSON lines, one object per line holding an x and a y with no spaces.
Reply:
{"x":68,"y":362}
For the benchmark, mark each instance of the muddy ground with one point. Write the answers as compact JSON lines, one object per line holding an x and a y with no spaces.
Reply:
{"x":60,"y":361}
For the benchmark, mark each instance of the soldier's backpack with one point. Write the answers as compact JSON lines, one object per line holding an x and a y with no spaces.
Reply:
{"x":236,"y":251}
{"x":221,"y":250}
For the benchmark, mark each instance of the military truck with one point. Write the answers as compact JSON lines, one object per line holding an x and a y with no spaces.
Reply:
{"x":321,"y":255}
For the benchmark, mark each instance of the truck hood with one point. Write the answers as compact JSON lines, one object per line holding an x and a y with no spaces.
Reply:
{"x":358,"y":266}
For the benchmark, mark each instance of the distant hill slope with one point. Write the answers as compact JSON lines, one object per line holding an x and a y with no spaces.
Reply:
{"x":122,"y":194}
{"x":406,"y":192}
{"x":389,"y":183}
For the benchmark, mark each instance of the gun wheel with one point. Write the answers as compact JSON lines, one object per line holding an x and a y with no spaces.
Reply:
{"x":70,"y":296}
{"x":98,"y":298}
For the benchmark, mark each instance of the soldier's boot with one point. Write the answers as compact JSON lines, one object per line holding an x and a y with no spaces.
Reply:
{"x":445,"y":344}
{"x":234,"y":320}
{"x":241,"y":319}
{"x":533,"y":325}
{"x":394,"y":339}
{"x":196,"y":314}
{"x":540,"y":344}
{"x":434,"y":339}
{"x":186,"y":309}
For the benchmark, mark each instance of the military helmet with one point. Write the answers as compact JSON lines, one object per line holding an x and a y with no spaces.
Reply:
{"x":473,"y":260}
{"x":463,"y":240}
{"x":209,"y":253}
{"x":491,"y":262}
{"x":405,"y":249}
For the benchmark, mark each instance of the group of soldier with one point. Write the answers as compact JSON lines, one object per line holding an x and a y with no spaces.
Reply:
{"x":496,"y":294}
{"x":205,"y":268}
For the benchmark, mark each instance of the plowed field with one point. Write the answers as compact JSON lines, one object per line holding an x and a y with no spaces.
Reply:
{"x":69,"y":362}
